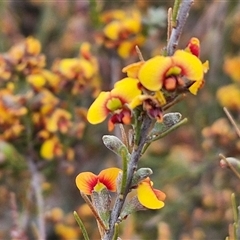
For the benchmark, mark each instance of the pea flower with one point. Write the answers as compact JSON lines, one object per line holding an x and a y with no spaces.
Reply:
{"x":115,"y":102}
{"x":87,"y":182}
{"x":168,"y":72}
{"x":148,"y":196}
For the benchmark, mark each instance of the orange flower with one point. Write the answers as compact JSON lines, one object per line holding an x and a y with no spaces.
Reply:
{"x":87,"y":182}
{"x":114,"y":102}
{"x":148,"y":196}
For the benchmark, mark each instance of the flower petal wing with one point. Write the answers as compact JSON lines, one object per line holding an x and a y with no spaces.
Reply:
{"x":98,"y":110}
{"x":152,"y":73}
{"x":126,"y":89}
{"x":147,"y":196}
{"x":86,"y":181}
{"x":190,"y":65}
{"x":108,"y":177}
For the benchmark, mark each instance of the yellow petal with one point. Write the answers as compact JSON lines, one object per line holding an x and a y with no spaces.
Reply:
{"x":127,"y":89}
{"x":125,"y":48}
{"x":190,"y":65}
{"x":86,"y":181}
{"x":98,"y":110}
{"x":108,"y":177}
{"x":36,"y":80}
{"x":33,"y":46}
{"x":147,"y":196}
{"x":112,"y":30}
{"x":152,"y":73}
{"x":195,"y":87}
{"x":47,"y":149}
{"x":133,"y":69}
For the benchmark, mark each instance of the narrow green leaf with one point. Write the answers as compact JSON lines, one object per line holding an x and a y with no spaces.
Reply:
{"x":81,"y":226}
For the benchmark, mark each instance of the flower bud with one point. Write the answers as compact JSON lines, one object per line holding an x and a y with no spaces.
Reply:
{"x":141,"y":174}
{"x":170,"y":119}
{"x":114,"y":144}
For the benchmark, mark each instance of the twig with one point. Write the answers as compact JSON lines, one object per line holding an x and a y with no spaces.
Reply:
{"x":177,"y":31}
{"x":36,"y":185}
{"x":229,"y":165}
{"x":95,"y":213}
{"x":169,"y":25}
{"x":16,"y":231}
{"x":139,"y":54}
{"x":232,"y":121}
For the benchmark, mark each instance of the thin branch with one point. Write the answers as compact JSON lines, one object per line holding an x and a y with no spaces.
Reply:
{"x":177,"y":31}
{"x":16,"y":231}
{"x":139,"y":54}
{"x":169,"y":25}
{"x":232,"y":121}
{"x":229,"y":165}
{"x":95,"y":213}
{"x":36,"y":185}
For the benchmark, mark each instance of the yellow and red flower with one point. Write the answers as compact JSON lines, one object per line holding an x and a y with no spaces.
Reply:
{"x":148,"y":196}
{"x":115,"y":102}
{"x":87,"y":182}
{"x":168,"y":72}
{"x":51,"y":148}
{"x":59,"y":120}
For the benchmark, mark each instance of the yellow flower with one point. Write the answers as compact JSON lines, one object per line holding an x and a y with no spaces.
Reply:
{"x":167,"y":72}
{"x":33,"y":46}
{"x":115,"y":103}
{"x":229,"y":96}
{"x":231,"y":67}
{"x":59,"y":120}
{"x":51,"y":148}
{"x":148,"y":196}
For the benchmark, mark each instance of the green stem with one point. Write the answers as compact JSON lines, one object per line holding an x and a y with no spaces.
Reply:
{"x":116,"y":232}
{"x":81,"y":226}
{"x":175,"y":12}
{"x":125,"y":159}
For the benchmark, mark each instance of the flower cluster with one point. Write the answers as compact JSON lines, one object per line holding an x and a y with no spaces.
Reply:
{"x":88,"y":183}
{"x":151,"y":84}
{"x":122,"y":31}
{"x":139,"y":98}
{"x":34,"y":100}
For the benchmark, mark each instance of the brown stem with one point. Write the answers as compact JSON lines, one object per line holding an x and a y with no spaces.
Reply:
{"x":232,"y":121}
{"x":229,"y":165}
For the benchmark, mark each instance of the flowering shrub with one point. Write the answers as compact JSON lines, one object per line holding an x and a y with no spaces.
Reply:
{"x":139,"y":100}
{"x":126,"y":62}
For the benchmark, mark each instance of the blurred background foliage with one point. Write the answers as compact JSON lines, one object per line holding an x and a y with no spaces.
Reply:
{"x":185,"y":163}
